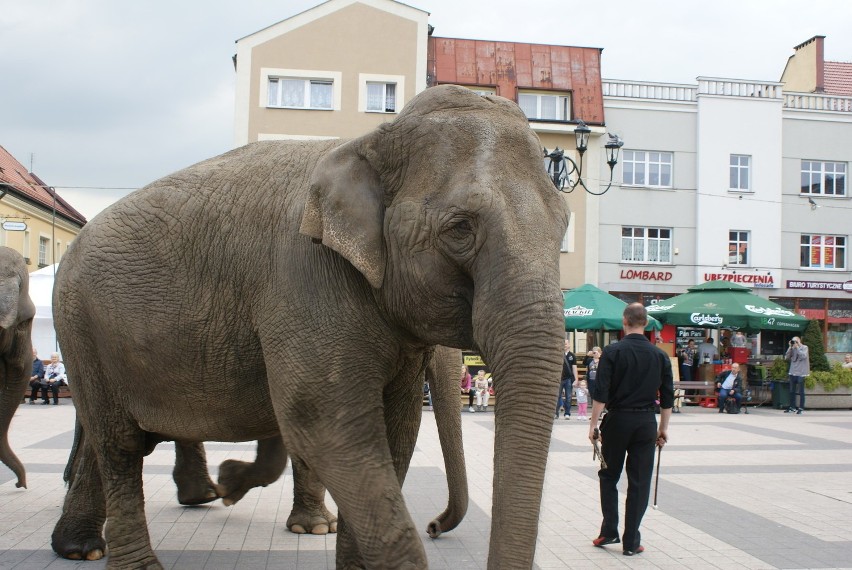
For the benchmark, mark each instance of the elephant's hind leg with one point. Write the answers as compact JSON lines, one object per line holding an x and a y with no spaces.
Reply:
{"x":78,"y":533}
{"x":309,"y":514}
{"x":126,"y":528}
{"x":236,"y":478}
{"x":194,"y":486}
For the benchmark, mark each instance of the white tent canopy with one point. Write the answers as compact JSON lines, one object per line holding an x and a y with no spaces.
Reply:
{"x":41,"y":293}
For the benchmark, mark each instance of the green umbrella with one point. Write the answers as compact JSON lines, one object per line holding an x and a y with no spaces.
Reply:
{"x":590,"y":308}
{"x":722,"y":304}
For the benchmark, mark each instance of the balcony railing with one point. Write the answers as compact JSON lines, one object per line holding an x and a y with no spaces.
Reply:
{"x":726,"y":88}
{"x":739,"y":88}
{"x":648,"y":90}
{"x":817,"y":102}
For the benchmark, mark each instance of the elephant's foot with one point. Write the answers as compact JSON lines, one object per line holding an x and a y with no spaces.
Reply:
{"x":197,"y":492}
{"x":307,"y":520}
{"x":235,"y":480}
{"x":77,"y":540}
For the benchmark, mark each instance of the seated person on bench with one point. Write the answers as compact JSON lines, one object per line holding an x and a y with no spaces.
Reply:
{"x":729,"y":383}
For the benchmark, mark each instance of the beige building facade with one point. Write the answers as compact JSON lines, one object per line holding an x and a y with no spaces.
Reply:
{"x":337,"y":70}
{"x":340,"y":69}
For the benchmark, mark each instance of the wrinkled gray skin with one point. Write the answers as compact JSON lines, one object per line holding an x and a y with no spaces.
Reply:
{"x":309,"y":513}
{"x":316,"y":276}
{"x":16,"y":353}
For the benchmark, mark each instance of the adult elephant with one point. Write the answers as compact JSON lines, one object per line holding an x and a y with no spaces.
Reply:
{"x":185,"y":307}
{"x":309,"y":513}
{"x":16,"y":353}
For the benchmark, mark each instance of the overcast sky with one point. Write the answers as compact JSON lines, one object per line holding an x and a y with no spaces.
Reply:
{"x":108,"y":95}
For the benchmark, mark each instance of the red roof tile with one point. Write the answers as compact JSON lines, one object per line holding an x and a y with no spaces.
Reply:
{"x":15,"y":179}
{"x":838,"y":78}
{"x":508,"y":66}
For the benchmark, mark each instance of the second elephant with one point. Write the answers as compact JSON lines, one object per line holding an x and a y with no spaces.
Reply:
{"x":309,"y":514}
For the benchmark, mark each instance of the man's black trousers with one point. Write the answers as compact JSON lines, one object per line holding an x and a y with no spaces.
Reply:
{"x":630,"y":435}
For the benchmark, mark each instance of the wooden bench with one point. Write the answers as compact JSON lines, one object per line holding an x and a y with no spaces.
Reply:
{"x":698,"y":392}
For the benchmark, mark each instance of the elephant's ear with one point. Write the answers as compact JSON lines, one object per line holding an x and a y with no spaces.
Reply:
{"x":345,"y":210}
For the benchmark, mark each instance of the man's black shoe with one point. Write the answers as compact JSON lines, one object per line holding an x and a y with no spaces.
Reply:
{"x":639,"y":550}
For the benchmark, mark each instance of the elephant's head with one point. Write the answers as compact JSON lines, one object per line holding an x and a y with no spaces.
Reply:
{"x":16,"y":314}
{"x":448,"y":213}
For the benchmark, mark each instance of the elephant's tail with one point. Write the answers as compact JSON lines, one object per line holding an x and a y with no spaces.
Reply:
{"x":70,"y":468}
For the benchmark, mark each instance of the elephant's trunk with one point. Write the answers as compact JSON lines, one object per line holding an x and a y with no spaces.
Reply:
{"x":521,"y":343}
{"x":443,"y":376}
{"x":13,"y":382}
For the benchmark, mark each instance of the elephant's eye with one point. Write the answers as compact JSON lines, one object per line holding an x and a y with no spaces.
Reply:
{"x":463,"y":226}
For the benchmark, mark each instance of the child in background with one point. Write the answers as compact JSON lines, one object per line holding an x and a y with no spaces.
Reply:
{"x":582,"y":391}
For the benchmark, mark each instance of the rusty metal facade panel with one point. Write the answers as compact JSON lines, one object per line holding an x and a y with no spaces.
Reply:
{"x":511,"y":66}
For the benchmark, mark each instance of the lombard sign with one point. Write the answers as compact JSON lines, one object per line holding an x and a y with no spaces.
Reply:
{"x":645,"y":275}
{"x":762,"y":280}
{"x":579,"y":311}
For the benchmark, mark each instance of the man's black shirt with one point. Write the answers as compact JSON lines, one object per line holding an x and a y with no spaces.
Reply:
{"x":630,"y":374}
{"x":568,"y":363}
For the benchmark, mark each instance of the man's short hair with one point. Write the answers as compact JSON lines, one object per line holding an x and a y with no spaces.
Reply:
{"x":636,"y":315}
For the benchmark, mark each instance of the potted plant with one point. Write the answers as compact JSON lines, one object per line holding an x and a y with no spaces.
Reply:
{"x":831,"y":389}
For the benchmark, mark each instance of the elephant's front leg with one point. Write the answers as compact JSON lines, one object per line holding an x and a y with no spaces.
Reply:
{"x":403,"y":408}
{"x":349,"y":452}
{"x":194,"y":486}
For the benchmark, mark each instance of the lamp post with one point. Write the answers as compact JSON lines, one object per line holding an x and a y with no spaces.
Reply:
{"x":562,"y":168}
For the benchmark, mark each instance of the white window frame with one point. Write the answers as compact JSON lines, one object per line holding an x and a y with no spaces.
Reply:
{"x":739,"y":173}
{"x":642,"y":240}
{"x":540,"y":100}
{"x":644,"y":162}
{"x":26,"y":249}
{"x":43,"y":250}
{"x":819,"y":175}
{"x":365,"y":78}
{"x":739,"y":241}
{"x":568,"y":239}
{"x":335,"y":77}
{"x":837,"y":244}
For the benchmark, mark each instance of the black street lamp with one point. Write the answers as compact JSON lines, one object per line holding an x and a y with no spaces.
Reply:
{"x":560,"y":172}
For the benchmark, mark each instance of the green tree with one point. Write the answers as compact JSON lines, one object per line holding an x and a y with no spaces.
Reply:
{"x":813,"y":340}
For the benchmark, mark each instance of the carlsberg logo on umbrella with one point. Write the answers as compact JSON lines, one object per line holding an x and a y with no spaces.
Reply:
{"x":578,"y":311}
{"x":704,"y":319}
{"x":770,"y":312}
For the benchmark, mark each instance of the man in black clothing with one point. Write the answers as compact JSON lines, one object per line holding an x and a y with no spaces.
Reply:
{"x":569,"y":373}
{"x":631,"y":374}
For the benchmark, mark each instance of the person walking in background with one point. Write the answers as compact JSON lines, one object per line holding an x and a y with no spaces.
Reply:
{"x":687,"y":355}
{"x":35,"y":378}
{"x":54,"y":377}
{"x":466,"y":387}
{"x":592,"y":368}
{"x":847,"y":361}
{"x":582,"y":391}
{"x":631,"y":374}
{"x":800,"y":366}
{"x":569,"y":374}
{"x":481,"y":385}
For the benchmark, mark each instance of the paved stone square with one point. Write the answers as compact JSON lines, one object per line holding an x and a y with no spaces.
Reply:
{"x":763,"y":490}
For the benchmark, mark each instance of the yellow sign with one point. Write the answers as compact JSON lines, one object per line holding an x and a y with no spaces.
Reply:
{"x":473,"y":360}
